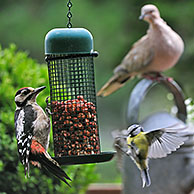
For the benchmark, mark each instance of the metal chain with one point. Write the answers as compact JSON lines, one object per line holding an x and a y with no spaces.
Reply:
{"x":69,"y":14}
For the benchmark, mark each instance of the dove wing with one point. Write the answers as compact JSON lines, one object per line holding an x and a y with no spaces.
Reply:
{"x":140,"y":56}
{"x":165,"y":140}
{"x":135,"y":62}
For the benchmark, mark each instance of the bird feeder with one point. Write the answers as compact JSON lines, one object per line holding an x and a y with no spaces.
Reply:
{"x":70,"y":58}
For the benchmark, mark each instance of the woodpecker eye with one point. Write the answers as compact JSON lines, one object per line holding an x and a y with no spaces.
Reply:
{"x":25,"y":92}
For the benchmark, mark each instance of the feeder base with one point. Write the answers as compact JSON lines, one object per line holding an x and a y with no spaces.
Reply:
{"x":85,"y":159}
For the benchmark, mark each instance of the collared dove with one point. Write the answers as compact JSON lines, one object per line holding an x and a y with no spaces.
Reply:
{"x":156,"y":52}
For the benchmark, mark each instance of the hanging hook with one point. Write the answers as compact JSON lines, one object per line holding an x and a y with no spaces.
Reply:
{"x":69,"y":14}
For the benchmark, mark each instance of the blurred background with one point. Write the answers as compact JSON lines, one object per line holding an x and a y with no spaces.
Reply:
{"x":115,"y":27}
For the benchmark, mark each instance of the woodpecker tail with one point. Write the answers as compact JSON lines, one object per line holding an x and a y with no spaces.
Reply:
{"x":39,"y":154}
{"x":53,"y":167}
{"x":145,"y":178}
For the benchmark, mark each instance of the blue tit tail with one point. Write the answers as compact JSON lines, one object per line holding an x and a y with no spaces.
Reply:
{"x":145,"y":178}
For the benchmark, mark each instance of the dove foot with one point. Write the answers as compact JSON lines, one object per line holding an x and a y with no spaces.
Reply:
{"x":157,"y":76}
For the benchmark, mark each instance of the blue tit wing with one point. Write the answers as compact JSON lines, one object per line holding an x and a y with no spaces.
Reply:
{"x":120,"y":145}
{"x":120,"y":140}
{"x":166,"y":140}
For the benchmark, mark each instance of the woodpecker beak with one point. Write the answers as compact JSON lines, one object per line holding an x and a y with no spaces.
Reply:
{"x":38,"y":90}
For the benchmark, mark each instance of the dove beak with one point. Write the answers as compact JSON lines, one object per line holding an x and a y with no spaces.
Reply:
{"x":141,"y":17}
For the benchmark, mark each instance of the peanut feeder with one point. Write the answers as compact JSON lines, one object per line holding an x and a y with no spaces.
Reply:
{"x":69,"y":55}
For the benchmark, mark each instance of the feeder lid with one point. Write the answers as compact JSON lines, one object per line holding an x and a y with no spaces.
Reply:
{"x":68,"y":41}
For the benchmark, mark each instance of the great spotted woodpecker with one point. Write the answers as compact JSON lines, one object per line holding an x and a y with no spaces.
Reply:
{"x":32,"y":127}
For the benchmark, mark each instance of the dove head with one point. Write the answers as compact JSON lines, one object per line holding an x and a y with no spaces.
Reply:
{"x":149,"y":13}
{"x":133,"y":130}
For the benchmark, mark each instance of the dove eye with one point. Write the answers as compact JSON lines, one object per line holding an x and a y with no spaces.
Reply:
{"x":150,"y":11}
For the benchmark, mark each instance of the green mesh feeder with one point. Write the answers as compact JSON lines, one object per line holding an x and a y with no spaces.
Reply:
{"x":69,"y":55}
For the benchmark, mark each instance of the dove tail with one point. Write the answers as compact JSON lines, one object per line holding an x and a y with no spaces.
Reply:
{"x":112,"y":85}
{"x":145,"y":178}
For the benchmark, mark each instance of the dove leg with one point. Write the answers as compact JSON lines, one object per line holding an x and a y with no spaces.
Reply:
{"x":156,"y":76}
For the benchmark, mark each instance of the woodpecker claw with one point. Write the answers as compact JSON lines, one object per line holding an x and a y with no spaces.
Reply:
{"x":48,"y":104}
{"x":47,"y":109}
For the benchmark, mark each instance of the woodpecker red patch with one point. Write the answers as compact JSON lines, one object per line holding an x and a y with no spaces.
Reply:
{"x":23,"y":88}
{"x":36,"y":147}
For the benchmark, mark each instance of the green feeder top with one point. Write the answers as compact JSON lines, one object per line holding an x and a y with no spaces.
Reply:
{"x":68,"y":41}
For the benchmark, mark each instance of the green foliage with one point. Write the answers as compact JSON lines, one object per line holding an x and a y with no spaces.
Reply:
{"x":18,"y":70}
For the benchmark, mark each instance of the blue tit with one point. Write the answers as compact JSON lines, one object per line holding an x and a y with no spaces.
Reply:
{"x":141,"y":145}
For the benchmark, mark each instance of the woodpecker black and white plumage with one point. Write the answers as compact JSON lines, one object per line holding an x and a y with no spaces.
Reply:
{"x":32,"y":127}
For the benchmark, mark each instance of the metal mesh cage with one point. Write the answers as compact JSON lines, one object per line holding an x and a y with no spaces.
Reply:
{"x":73,"y":105}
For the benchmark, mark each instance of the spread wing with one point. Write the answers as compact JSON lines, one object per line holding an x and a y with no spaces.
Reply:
{"x":166,"y":140}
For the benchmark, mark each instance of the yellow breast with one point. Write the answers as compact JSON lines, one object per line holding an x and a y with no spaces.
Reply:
{"x":141,"y":142}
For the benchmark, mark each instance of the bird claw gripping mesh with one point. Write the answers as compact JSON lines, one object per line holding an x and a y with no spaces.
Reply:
{"x":48,"y":107}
